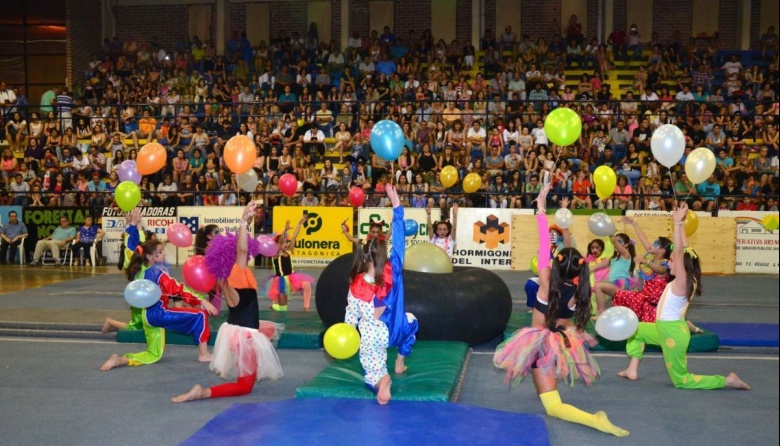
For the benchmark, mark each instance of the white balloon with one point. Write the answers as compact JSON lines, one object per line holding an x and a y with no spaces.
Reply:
{"x":700,"y":164}
{"x":601,"y":225}
{"x":668,"y":144}
{"x":247,"y":181}
{"x":617,"y":323}
{"x":564,"y":218}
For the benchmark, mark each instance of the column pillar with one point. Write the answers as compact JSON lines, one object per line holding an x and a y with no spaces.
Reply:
{"x":476,"y":23}
{"x":344,"y":23}
{"x":222,"y":8}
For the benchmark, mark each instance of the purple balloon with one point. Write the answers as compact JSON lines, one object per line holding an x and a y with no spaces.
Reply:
{"x":268,"y":246}
{"x":128,"y":171}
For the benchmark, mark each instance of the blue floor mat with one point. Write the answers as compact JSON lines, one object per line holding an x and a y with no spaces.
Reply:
{"x":744,"y":335}
{"x":343,"y":422}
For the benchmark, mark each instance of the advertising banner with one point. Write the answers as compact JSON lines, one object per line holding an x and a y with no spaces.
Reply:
{"x":758,"y":248}
{"x":41,"y":221}
{"x":484,"y":237}
{"x":385,"y":216}
{"x":320,"y":240}
{"x":228,"y":218}
{"x":154,"y":218}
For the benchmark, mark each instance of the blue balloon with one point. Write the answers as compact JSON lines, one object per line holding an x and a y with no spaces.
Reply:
{"x":410,"y":227}
{"x":142,"y":293}
{"x":387,"y":140}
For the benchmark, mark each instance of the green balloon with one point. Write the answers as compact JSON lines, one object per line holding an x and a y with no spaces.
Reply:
{"x":427,"y":258}
{"x":563,"y":126}
{"x":127,"y":195}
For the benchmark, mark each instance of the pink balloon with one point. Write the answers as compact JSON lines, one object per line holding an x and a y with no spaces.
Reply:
{"x":268,"y":246}
{"x":288,"y":184}
{"x":180,"y":235}
{"x":197,"y":276}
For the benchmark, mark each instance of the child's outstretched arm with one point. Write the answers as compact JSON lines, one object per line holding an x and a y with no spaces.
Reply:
{"x":567,"y":242}
{"x":544,"y":244}
{"x":345,"y":230}
{"x":242,"y":244}
{"x":297,"y":230}
{"x":431,"y":229}
{"x":639,"y":232}
{"x":679,"y":285}
{"x":454,"y":218}
{"x":619,"y":247}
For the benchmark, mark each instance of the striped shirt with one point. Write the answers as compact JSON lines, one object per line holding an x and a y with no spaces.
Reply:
{"x":64,"y":102}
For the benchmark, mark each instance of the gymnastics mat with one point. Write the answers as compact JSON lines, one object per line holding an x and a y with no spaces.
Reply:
{"x":303,"y":330}
{"x":702,"y":342}
{"x":434,"y":374}
{"x":341,"y":422}
{"x":744,"y":335}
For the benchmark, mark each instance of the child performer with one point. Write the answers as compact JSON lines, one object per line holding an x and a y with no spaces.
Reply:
{"x":375,"y":305}
{"x":669,"y":331}
{"x":135,"y":323}
{"x":559,"y":240}
{"x":552,"y":347}
{"x":243,"y":348}
{"x":148,"y":263}
{"x":285,"y":281}
{"x":599,"y":253}
{"x":620,"y":267}
{"x":442,"y":233}
{"x":375,"y":229}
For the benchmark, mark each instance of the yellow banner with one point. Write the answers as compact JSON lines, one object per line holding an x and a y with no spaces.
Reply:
{"x":320,"y":240}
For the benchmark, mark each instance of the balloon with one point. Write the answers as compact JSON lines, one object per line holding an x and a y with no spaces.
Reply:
{"x":356,"y":196}
{"x":268,"y":246}
{"x":247,"y":181}
{"x":535,"y":265}
{"x":668,"y":144}
{"x":288,"y":184}
{"x":179,"y":235}
{"x":617,"y":323}
{"x":142,"y":293}
{"x":606,"y":181}
{"x":427,"y":258}
{"x":127,"y":195}
{"x":151,"y":158}
{"x":410,"y":227}
{"x":601,"y":225}
{"x":341,"y":341}
{"x":563,"y":126}
{"x":449,"y":176}
{"x":197,"y":276}
{"x":691,"y":223}
{"x":564,"y":218}
{"x":240,"y":153}
{"x":387,"y":140}
{"x":699,"y":165}
{"x":471,"y":183}
{"x":770,"y":222}
{"x":128,"y":171}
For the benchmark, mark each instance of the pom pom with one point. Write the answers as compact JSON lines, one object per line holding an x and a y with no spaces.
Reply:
{"x":221,"y":253}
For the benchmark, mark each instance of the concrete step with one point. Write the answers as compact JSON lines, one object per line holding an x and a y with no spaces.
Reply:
{"x":54,"y":330}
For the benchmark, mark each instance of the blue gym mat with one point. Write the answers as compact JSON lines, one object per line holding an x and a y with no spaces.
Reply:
{"x":744,"y":335}
{"x":347,"y":422}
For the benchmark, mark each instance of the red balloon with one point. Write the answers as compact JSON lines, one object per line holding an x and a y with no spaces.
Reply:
{"x":197,"y":276}
{"x":356,"y":196}
{"x":288,"y":184}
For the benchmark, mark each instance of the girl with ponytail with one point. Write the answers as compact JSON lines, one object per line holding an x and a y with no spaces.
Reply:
{"x":620,"y":267}
{"x":670,"y":331}
{"x":556,"y":346}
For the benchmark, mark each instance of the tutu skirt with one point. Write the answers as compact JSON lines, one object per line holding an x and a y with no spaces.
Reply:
{"x":276,"y":285}
{"x":562,"y":354}
{"x":241,"y":351}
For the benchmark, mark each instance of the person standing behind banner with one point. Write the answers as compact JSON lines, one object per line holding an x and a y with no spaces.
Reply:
{"x":442,"y":233}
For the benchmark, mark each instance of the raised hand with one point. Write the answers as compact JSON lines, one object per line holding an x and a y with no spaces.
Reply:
{"x":565,"y":202}
{"x":679,"y":214}
{"x":249,"y":212}
{"x":392,"y":194}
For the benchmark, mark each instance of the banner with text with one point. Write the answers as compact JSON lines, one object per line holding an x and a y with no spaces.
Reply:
{"x":228,"y":218}
{"x":154,"y":218}
{"x":41,"y":222}
{"x":385,"y":216}
{"x":320,"y":239}
{"x":484,"y":237}
{"x":758,"y":248}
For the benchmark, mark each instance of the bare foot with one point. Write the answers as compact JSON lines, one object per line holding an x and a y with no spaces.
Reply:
{"x":733,"y":382}
{"x":205,"y":357}
{"x":629,"y":374}
{"x":400,"y":368}
{"x":306,"y":309}
{"x":112,"y":362}
{"x":383,"y":395}
{"x":107,"y":327}
{"x":196,"y":393}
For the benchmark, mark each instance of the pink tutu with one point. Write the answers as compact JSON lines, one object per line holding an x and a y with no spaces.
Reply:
{"x":241,"y":351}
{"x":276,"y":285}
{"x":548,"y":351}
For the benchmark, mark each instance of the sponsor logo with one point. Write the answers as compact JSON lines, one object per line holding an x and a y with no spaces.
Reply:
{"x":313,"y":223}
{"x":191,"y":222}
{"x":491,"y":232}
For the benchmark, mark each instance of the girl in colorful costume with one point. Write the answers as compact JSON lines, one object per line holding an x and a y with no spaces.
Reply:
{"x":442,"y":233}
{"x":599,"y":253}
{"x":243,"y":348}
{"x":620,"y":267}
{"x":559,"y":239}
{"x":285,"y":281}
{"x":136,"y":323}
{"x":148,"y":263}
{"x":375,"y":305}
{"x":669,"y":331}
{"x":552,"y":347}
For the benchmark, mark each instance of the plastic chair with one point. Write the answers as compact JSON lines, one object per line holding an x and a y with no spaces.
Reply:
{"x":66,"y":256}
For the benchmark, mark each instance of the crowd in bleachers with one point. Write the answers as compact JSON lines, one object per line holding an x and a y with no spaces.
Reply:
{"x":310,"y":105}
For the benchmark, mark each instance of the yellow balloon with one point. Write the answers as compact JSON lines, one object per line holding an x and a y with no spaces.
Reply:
{"x":449,"y":176}
{"x":471,"y":183}
{"x":427,"y":258}
{"x":535,"y":265}
{"x":341,"y":341}
{"x":699,"y":165}
{"x":605,"y":180}
{"x":691,"y":223}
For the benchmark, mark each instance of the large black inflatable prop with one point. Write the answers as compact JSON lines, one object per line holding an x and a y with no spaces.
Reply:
{"x":470,"y":305}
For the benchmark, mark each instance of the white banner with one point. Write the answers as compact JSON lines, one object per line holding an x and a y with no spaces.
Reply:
{"x":155,"y":219}
{"x":700,"y":214}
{"x":385,"y":215}
{"x":228,"y":218}
{"x":757,"y":247}
{"x":484,"y":237}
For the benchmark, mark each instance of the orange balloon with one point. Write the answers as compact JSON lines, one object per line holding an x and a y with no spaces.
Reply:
{"x":240,"y":154}
{"x":151,"y":158}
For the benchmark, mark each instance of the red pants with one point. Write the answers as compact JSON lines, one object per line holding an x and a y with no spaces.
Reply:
{"x":244,"y":385}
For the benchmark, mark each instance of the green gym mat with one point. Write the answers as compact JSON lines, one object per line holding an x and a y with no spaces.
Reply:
{"x":434,"y":374}
{"x":303,"y":330}
{"x":702,"y":342}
